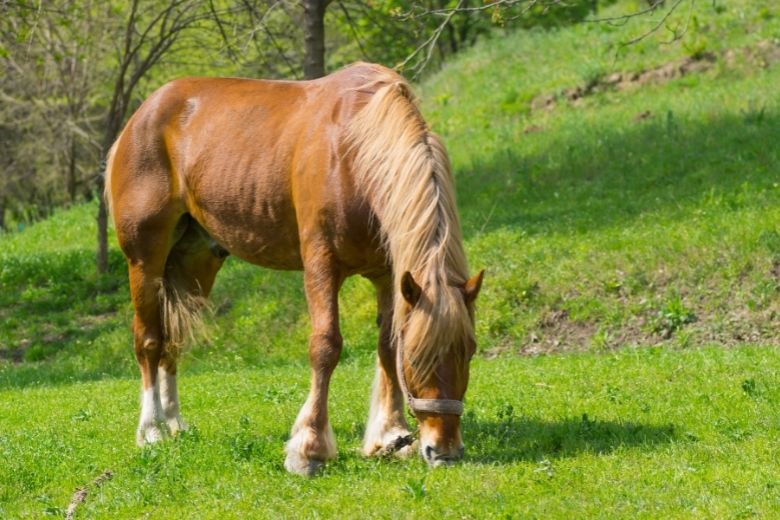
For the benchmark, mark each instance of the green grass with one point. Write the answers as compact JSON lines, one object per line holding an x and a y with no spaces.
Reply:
{"x":646,"y":433}
{"x":645,"y":249}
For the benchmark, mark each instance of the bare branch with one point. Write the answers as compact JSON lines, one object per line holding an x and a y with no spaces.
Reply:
{"x":657,"y":26}
{"x":354,"y":30}
{"x":504,"y":4}
{"x":231,"y":53}
{"x":428,"y":45}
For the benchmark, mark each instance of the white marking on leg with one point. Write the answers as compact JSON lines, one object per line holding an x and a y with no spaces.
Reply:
{"x":169,"y":397}
{"x":307,"y":448}
{"x":151,"y":416}
{"x":386,"y":422}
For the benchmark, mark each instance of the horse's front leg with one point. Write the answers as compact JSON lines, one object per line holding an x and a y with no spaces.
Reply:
{"x":387,"y":431}
{"x":312,"y":441}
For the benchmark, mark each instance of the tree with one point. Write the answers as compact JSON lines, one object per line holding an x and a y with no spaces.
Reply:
{"x":46,"y":93}
{"x":314,"y":38}
{"x":73,"y":70}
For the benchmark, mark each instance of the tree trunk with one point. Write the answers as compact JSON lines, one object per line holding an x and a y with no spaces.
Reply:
{"x":314,"y":38}
{"x":102,"y":224}
{"x":71,"y":180}
{"x":113,"y":124}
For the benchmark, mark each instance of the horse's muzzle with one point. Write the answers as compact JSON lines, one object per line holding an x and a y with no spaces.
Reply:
{"x":435,"y":458}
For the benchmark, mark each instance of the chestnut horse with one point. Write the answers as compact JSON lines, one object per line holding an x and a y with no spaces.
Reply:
{"x":337,"y":176}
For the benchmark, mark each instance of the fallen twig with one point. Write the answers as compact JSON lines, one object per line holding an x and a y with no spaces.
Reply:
{"x":81,"y":493}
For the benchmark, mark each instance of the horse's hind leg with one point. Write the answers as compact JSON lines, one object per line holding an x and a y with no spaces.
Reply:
{"x":147,"y":252}
{"x":312,"y":441}
{"x":387,"y":430}
{"x":189,"y":276}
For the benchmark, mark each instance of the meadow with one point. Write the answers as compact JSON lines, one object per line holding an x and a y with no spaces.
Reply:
{"x":628,"y":327}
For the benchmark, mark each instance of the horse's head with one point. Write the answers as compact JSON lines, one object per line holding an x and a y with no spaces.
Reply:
{"x":438,"y":342}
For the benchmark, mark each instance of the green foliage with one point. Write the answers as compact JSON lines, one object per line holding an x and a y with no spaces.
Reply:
{"x":415,"y":488}
{"x":672,"y":317}
{"x":389,"y":31}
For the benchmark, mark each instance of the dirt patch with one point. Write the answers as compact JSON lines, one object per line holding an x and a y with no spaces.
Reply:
{"x":762,"y":54}
{"x":739,"y":326}
{"x":93,"y":321}
{"x":642,"y":116}
{"x":15,"y":355}
{"x":555,"y":332}
{"x":739,"y":313}
{"x":775,"y":270}
{"x":626,"y":80}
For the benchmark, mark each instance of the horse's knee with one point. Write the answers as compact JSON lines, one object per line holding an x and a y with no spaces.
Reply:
{"x":148,"y":345}
{"x":325,"y":349}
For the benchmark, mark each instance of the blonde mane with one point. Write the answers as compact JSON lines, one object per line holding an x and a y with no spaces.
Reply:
{"x":406,"y":173}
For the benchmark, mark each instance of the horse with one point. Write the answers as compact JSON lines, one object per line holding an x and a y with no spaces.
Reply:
{"x":337,"y":176}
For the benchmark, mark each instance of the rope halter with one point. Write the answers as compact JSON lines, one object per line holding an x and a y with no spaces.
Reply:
{"x":439,"y":406}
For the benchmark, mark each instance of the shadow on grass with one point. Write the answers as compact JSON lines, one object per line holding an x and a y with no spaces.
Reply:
{"x":531,"y":439}
{"x":60,"y":322}
{"x":50,"y":302}
{"x":54,"y":308}
{"x":598,"y":176}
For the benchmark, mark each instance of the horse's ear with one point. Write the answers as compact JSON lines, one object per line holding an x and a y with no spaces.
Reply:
{"x":472,"y":286}
{"x":409,"y":289}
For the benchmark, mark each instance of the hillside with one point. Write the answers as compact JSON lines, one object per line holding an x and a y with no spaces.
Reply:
{"x":607,"y":215}
{"x":625,"y":202}
{"x":613,"y":198}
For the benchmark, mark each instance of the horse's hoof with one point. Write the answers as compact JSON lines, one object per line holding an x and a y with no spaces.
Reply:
{"x":299,"y":465}
{"x":176,"y":425}
{"x":149,"y":435}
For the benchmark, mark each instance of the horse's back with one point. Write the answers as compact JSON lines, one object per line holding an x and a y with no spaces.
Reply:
{"x":247,"y":159}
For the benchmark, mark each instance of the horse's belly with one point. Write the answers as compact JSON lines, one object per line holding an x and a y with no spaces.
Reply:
{"x":273,"y":247}
{"x":261,"y":232}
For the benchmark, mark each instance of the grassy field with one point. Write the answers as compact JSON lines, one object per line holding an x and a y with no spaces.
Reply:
{"x":647,"y":433}
{"x":633,"y":231}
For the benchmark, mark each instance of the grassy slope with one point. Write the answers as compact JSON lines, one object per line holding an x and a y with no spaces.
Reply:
{"x":597,"y":230}
{"x":589,"y":212}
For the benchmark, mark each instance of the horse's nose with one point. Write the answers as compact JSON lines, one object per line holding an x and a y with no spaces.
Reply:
{"x":436,"y":458}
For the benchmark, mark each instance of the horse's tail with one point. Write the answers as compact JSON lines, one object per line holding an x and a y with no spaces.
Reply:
{"x":189,"y":274}
{"x":181,"y":308}
{"x":107,"y":179}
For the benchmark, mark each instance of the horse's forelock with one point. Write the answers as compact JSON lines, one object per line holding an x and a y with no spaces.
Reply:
{"x":438,"y":326}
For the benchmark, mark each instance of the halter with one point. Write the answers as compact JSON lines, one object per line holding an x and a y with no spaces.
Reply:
{"x":441,"y":406}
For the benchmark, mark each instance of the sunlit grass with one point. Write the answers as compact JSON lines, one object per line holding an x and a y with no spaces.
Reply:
{"x":647,"y":433}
